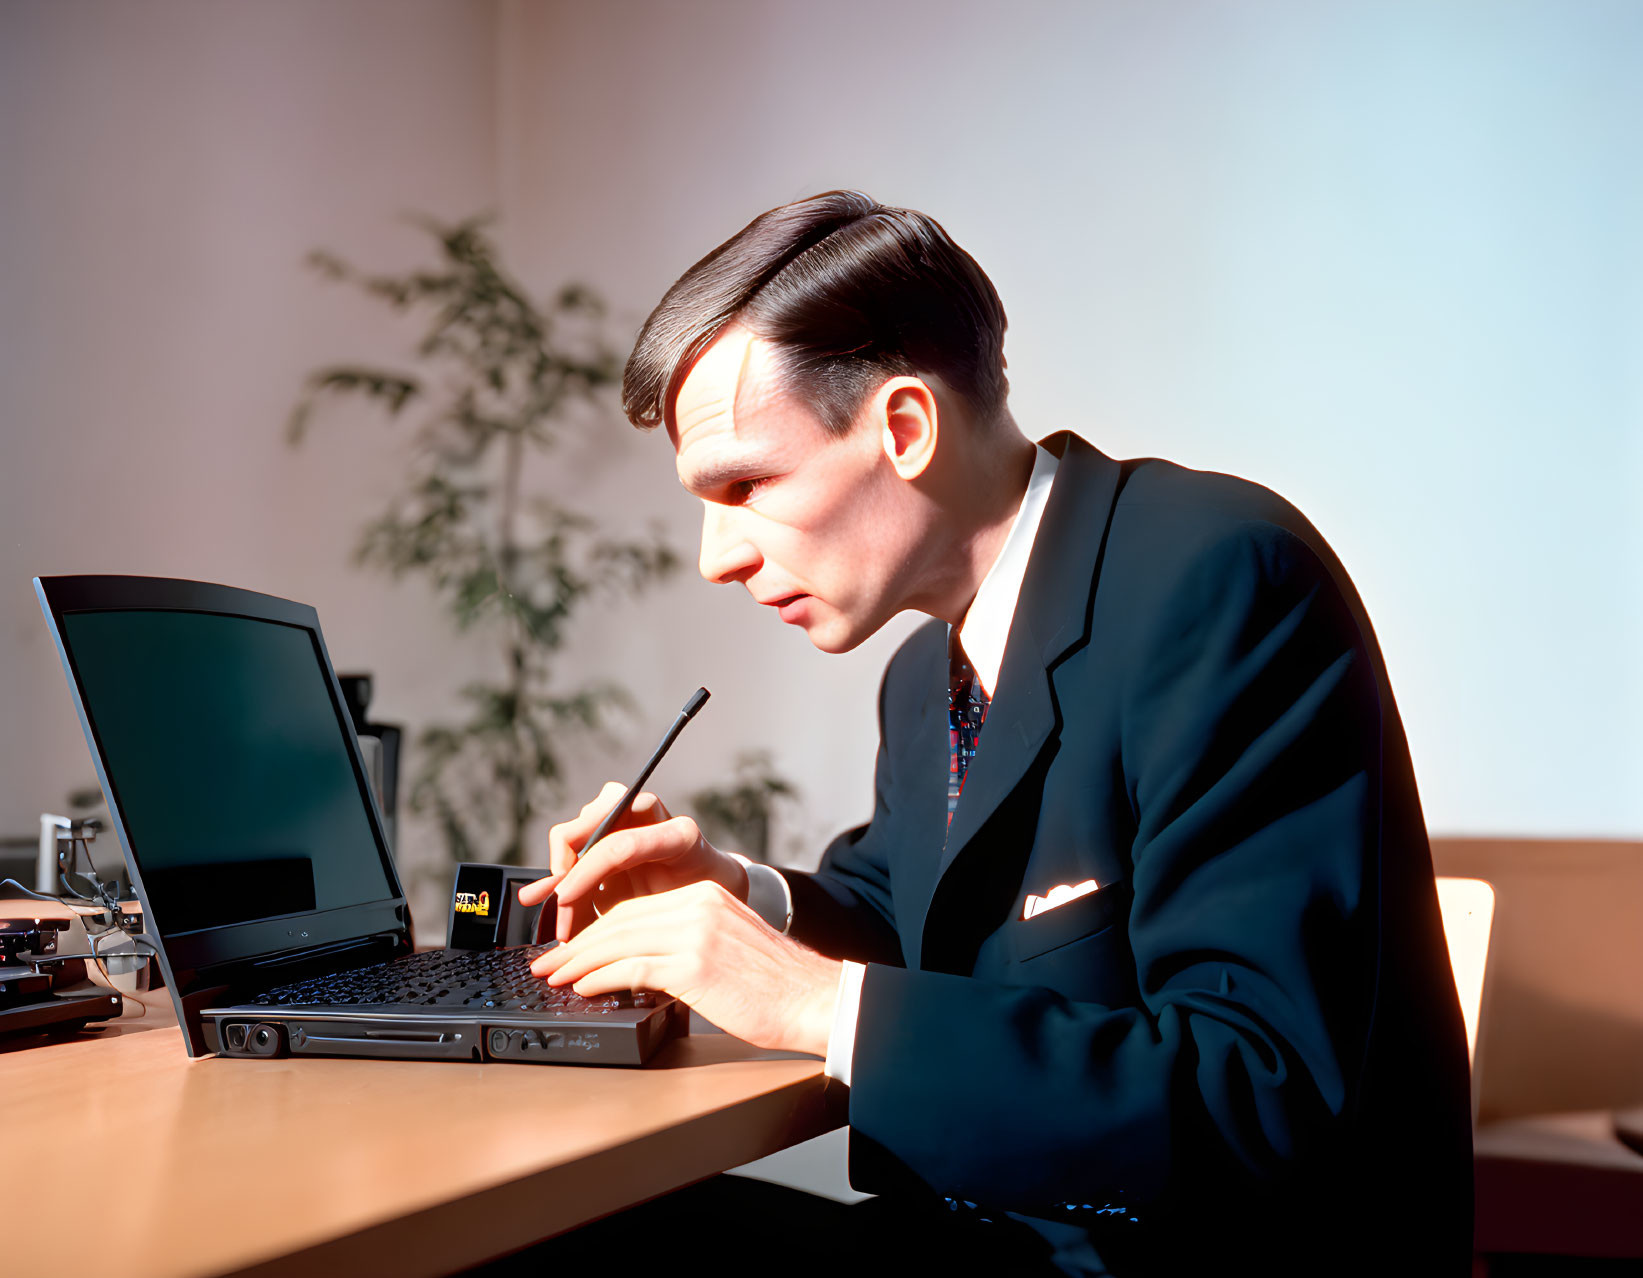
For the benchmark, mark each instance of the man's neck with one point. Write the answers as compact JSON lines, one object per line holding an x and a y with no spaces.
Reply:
{"x":983,"y":515}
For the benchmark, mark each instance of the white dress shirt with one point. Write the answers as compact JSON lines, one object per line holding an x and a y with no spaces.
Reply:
{"x":984,"y":632}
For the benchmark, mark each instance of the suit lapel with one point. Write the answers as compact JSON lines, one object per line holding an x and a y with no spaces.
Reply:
{"x":1019,"y":722}
{"x":919,"y":858}
{"x":1051,"y":617}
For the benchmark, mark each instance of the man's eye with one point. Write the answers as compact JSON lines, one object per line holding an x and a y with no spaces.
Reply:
{"x":743,"y":489}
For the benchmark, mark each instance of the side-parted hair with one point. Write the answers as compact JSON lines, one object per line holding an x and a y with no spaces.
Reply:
{"x":849,"y":293}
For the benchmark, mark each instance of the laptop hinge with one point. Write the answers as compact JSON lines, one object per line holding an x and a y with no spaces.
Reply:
{"x":365,"y":947}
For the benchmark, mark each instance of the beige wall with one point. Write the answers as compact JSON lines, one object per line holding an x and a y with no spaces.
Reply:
{"x":1381,"y":258}
{"x":164,"y":167}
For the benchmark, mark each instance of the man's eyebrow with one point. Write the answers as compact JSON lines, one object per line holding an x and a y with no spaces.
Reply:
{"x":726,"y":470}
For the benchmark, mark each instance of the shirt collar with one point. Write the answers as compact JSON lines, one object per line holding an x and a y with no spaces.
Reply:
{"x":986,"y":625}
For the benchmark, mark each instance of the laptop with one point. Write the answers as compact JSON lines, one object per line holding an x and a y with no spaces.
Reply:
{"x":254,"y":842}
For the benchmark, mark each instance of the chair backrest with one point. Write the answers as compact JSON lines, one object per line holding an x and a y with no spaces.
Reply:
{"x":1468,"y":907}
{"x":1562,"y":1024}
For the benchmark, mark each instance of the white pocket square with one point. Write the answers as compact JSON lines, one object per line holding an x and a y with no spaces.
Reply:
{"x":1058,"y":895}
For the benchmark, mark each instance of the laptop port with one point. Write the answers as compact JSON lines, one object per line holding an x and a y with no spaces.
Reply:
{"x":235,"y":1035}
{"x":263,"y":1040}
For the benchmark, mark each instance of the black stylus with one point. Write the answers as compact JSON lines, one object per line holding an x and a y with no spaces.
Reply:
{"x":698,"y":699}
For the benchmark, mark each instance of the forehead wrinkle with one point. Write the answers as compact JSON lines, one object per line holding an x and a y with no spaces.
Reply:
{"x":741,"y":395}
{"x":709,"y":389}
{"x":700,"y":411}
{"x":715,"y":411}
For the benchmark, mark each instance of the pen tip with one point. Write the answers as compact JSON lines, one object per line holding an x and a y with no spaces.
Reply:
{"x":697,"y":700}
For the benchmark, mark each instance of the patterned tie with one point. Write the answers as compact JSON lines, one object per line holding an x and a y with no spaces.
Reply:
{"x":966,"y":712}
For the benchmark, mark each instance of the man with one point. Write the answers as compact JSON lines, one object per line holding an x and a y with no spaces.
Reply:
{"x":1140,"y":952}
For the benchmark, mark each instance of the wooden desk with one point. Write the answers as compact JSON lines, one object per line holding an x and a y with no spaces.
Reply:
{"x":319,"y":1166}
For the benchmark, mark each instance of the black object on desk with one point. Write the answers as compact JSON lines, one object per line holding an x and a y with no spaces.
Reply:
{"x":379,"y":746}
{"x":485,"y":909}
{"x":71,"y":1010}
{"x":27,"y":999}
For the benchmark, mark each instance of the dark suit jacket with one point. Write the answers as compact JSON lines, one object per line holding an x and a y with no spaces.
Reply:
{"x":1245,"y":1046}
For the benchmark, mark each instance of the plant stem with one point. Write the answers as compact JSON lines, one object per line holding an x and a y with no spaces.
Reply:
{"x":519,"y":807}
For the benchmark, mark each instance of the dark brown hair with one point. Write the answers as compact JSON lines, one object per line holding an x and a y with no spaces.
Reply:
{"x":849,"y":292}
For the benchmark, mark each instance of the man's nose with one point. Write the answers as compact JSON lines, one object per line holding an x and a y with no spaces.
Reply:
{"x":727,"y":554}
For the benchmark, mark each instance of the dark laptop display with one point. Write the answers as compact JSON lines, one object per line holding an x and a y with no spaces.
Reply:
{"x":254,"y":842}
{"x":274,"y":821}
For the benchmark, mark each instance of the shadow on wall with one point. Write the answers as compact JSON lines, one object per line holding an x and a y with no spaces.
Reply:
{"x":1557,"y":1057}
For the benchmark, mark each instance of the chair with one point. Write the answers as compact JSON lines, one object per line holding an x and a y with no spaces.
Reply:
{"x":1562,"y":1036}
{"x":1468,"y":908}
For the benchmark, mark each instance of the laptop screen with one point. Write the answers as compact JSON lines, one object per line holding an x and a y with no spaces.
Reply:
{"x":228,"y":760}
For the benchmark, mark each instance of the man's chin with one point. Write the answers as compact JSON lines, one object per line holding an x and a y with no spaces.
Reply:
{"x":834,"y":646}
{"x":835,"y":635}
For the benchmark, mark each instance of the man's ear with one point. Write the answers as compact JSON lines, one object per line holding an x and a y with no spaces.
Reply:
{"x":909,"y":424}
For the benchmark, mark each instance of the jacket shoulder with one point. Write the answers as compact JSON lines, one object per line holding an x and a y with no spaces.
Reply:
{"x":1172,"y":515}
{"x":1202,"y":502}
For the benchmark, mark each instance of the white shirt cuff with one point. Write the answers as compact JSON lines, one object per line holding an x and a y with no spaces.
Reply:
{"x":768,"y":895}
{"x":841,"y":1040}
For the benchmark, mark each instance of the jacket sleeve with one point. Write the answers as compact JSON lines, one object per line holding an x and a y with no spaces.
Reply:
{"x":845,"y":909}
{"x":1250,"y":739}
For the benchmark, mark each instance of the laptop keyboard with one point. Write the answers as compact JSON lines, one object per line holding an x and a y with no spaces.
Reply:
{"x":479,"y":979}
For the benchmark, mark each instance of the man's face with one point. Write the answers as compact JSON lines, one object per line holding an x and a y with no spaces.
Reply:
{"x":816,"y":525}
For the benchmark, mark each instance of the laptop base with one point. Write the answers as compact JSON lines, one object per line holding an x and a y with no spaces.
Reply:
{"x":623,"y":1036}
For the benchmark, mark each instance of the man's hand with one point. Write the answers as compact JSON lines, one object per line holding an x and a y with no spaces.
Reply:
{"x":658,"y":852}
{"x":705,"y":947}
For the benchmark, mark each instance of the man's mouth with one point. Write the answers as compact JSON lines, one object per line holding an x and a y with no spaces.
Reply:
{"x":788,"y":606}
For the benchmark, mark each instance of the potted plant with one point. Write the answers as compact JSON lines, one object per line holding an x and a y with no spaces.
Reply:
{"x":497,"y":378}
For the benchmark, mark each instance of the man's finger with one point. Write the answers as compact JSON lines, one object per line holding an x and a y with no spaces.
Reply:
{"x":648,"y":973}
{"x":649,"y":807}
{"x":567,"y":838}
{"x":574,"y":832}
{"x":610,"y":947}
{"x":606,"y":799}
{"x":560,"y":855}
{"x":635,"y":922}
{"x":536,"y":892}
{"x":625,"y":850}
{"x":645,"y":806}
{"x":652,"y":910}
{"x":574,"y":919}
